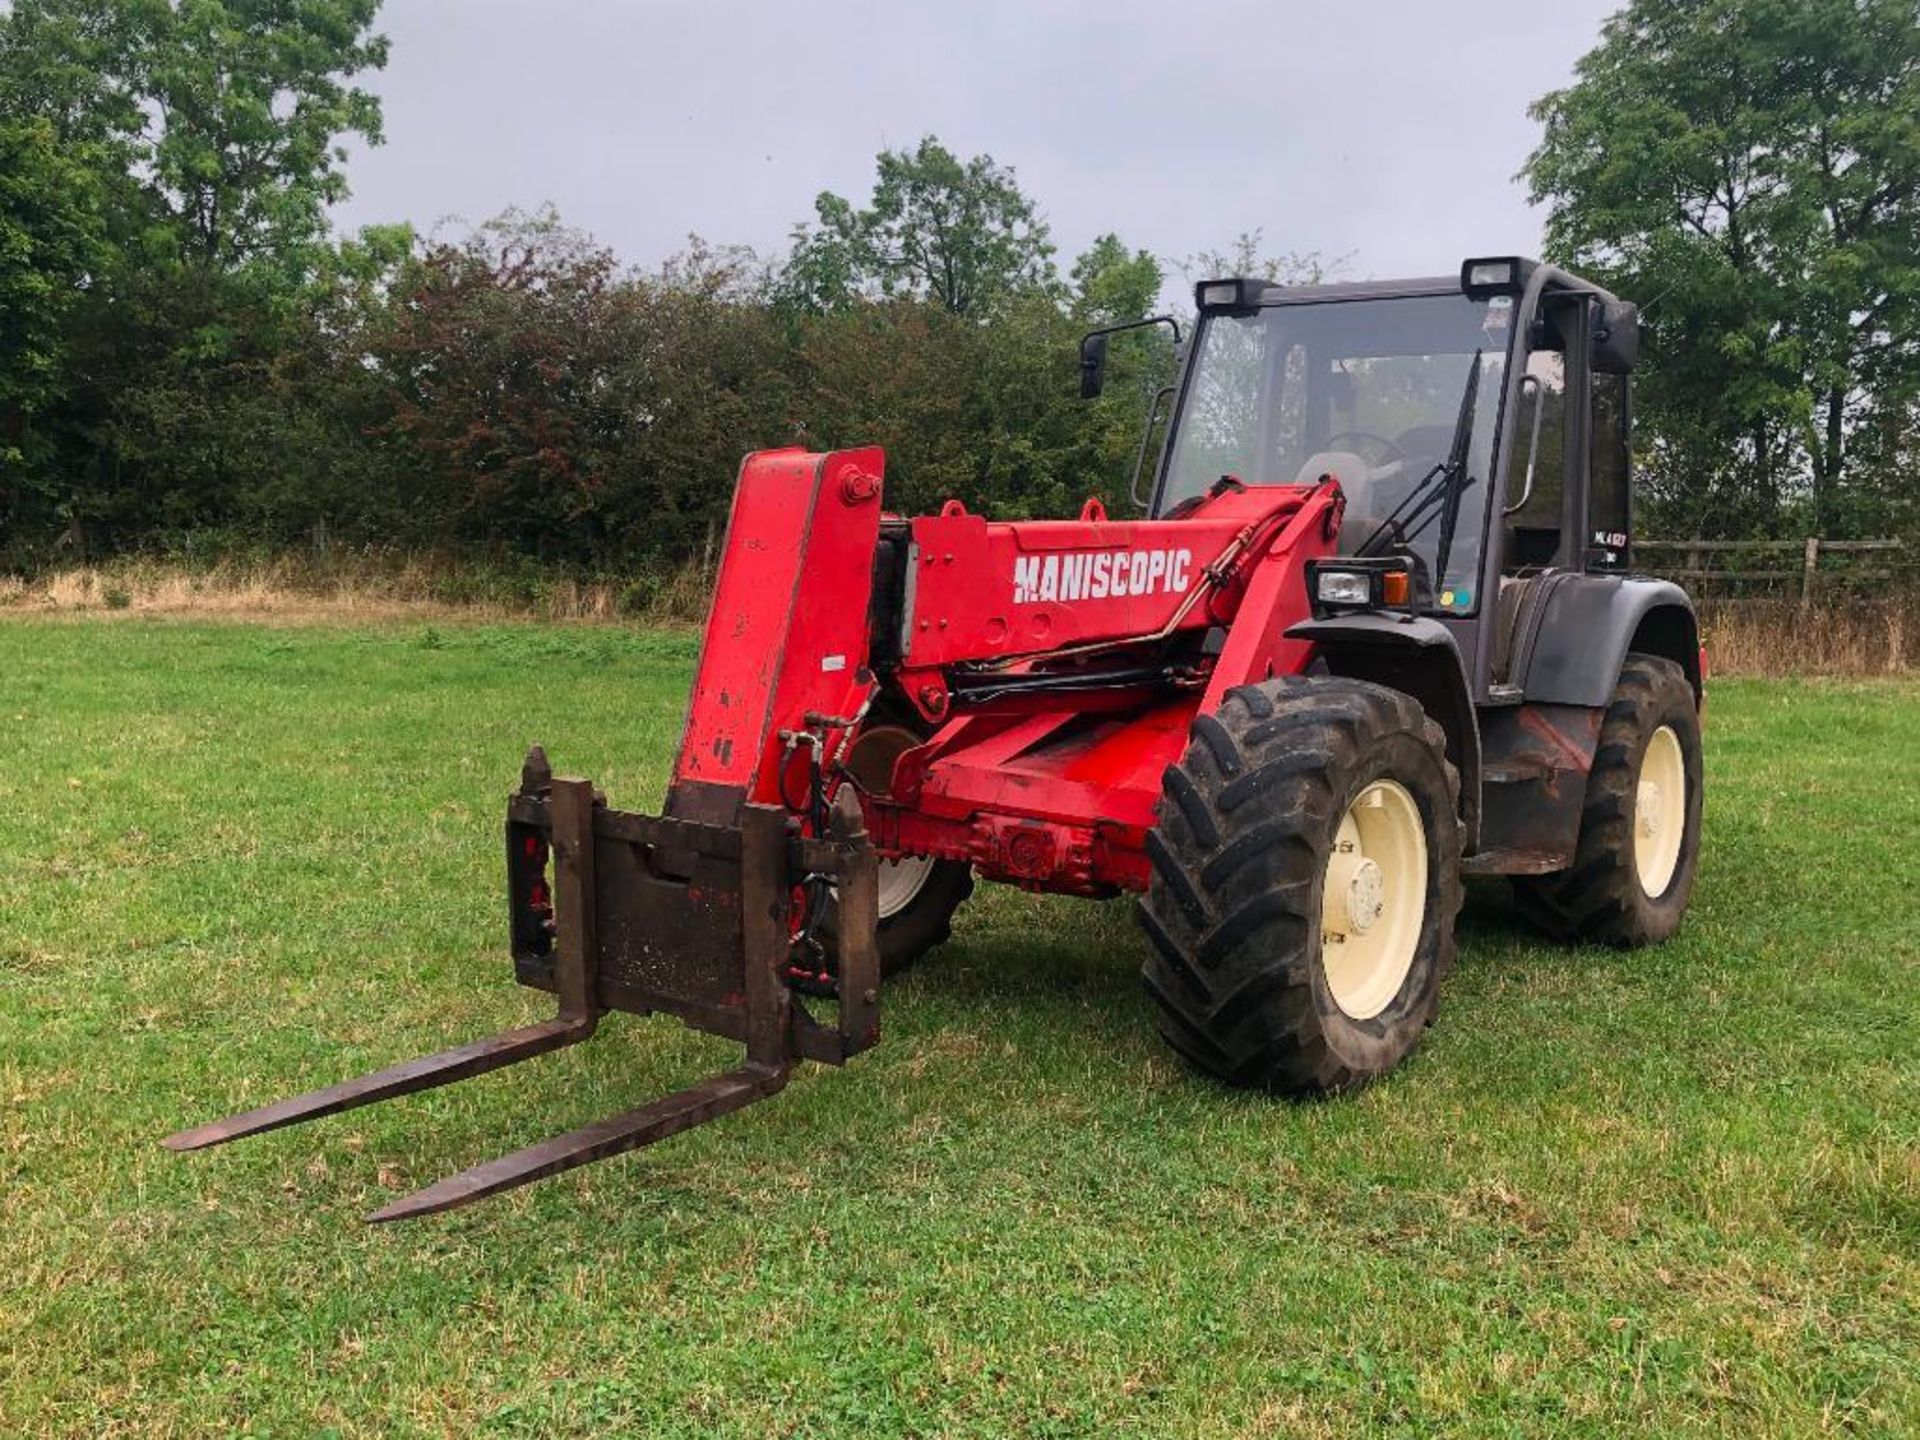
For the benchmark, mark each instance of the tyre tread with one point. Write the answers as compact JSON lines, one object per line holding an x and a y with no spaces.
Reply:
{"x":1230,"y":909}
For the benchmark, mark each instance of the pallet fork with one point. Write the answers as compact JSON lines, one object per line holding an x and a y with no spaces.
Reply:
{"x":645,"y":914}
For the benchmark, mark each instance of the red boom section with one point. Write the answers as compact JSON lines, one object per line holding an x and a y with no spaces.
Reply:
{"x":982,"y":589}
{"x":1060,"y":796}
{"x":1046,"y":789}
{"x":787,"y":631}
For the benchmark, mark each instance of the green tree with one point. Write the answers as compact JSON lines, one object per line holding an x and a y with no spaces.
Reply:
{"x":80,"y":66}
{"x":1112,"y":284}
{"x":1248,"y":256}
{"x":253,"y":102}
{"x":218,"y":122}
{"x":532,"y":398}
{"x":1750,"y":169}
{"x":958,"y":233}
{"x":49,"y":244}
{"x":206,"y":135}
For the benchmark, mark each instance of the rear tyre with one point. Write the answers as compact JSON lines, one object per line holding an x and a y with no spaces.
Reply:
{"x":918,"y":894}
{"x":1633,"y":865}
{"x":1306,"y":876}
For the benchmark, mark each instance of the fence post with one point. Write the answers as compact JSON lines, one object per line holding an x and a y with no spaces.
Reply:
{"x":1806,"y":573}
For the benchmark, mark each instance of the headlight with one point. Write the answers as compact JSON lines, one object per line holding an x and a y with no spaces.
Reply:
{"x":1373,"y":583}
{"x":1487,"y":276}
{"x":1227,"y":294}
{"x":1343,"y":587}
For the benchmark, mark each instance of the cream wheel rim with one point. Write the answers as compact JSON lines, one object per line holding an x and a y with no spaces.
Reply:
{"x":1373,"y":899}
{"x":901,"y":882}
{"x":871,"y":764}
{"x":1659,"y":812}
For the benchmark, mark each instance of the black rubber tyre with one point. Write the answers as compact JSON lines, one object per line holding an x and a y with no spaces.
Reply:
{"x":1247,"y":822}
{"x":922,"y":923}
{"x":1600,"y":896}
{"x":927,"y":919}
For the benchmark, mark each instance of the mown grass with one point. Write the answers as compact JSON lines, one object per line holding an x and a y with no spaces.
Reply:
{"x":1669,"y":1192}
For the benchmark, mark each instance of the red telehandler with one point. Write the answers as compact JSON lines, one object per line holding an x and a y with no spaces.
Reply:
{"x":1377,"y":631}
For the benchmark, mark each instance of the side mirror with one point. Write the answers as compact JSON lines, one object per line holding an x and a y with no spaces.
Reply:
{"x":1616,"y":337}
{"x":1093,"y":366}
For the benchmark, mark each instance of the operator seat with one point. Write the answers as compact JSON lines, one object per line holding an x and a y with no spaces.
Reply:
{"x":1356,"y":484}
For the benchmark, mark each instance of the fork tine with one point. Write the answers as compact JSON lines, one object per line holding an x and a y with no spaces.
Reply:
{"x":669,"y":1115}
{"x":474,"y":1058}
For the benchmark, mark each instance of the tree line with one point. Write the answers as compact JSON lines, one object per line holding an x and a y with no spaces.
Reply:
{"x":1749,"y":171}
{"x":191,"y":362}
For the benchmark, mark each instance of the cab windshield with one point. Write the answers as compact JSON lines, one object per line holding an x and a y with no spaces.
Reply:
{"x":1366,"y":390}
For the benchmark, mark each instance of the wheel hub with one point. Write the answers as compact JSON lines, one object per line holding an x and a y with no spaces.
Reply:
{"x":871,"y":764}
{"x":1647,"y":806}
{"x":1366,"y":896}
{"x":1373,"y":899}
{"x":901,"y":882}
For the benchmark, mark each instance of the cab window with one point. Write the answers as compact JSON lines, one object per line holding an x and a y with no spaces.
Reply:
{"x":1533,"y":530}
{"x":1609,"y":539}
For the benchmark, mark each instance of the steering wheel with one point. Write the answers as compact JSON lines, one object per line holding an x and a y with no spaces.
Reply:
{"x":1387,"y":459}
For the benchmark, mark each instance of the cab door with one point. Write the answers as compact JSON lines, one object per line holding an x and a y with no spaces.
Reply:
{"x":1540,"y":510}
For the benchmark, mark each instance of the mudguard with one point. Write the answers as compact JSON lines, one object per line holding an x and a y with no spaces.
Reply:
{"x":1586,"y":628}
{"x":1417,"y":656}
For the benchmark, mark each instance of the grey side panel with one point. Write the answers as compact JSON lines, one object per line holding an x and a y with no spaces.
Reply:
{"x":1417,"y":657}
{"x":1535,"y":760}
{"x":1588,"y":625}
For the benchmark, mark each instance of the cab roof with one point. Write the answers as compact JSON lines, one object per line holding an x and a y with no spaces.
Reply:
{"x":1257,"y":292}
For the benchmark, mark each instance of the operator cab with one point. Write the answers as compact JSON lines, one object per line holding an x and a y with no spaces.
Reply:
{"x":1476,"y":424}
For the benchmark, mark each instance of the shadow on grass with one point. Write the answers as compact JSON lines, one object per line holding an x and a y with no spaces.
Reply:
{"x":1036,"y":958}
{"x":1033,"y":961}
{"x":1491,"y":917}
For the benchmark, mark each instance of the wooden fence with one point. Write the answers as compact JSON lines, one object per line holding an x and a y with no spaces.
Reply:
{"x":1777,"y":569}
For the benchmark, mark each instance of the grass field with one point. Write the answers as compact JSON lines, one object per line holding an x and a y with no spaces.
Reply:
{"x":1669,"y":1192}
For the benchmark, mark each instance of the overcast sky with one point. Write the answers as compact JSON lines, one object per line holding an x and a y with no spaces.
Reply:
{"x":1389,"y":130}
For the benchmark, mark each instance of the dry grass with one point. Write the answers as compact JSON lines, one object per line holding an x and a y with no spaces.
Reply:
{"x":298,"y":590}
{"x":1781,"y":637}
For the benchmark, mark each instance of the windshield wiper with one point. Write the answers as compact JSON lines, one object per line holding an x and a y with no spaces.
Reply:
{"x":1439,"y":491}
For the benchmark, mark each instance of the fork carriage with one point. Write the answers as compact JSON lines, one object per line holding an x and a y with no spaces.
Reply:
{"x":643,"y":914}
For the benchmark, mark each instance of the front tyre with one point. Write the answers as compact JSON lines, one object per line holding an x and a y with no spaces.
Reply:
{"x":1633,"y":865}
{"x":1306,"y":876}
